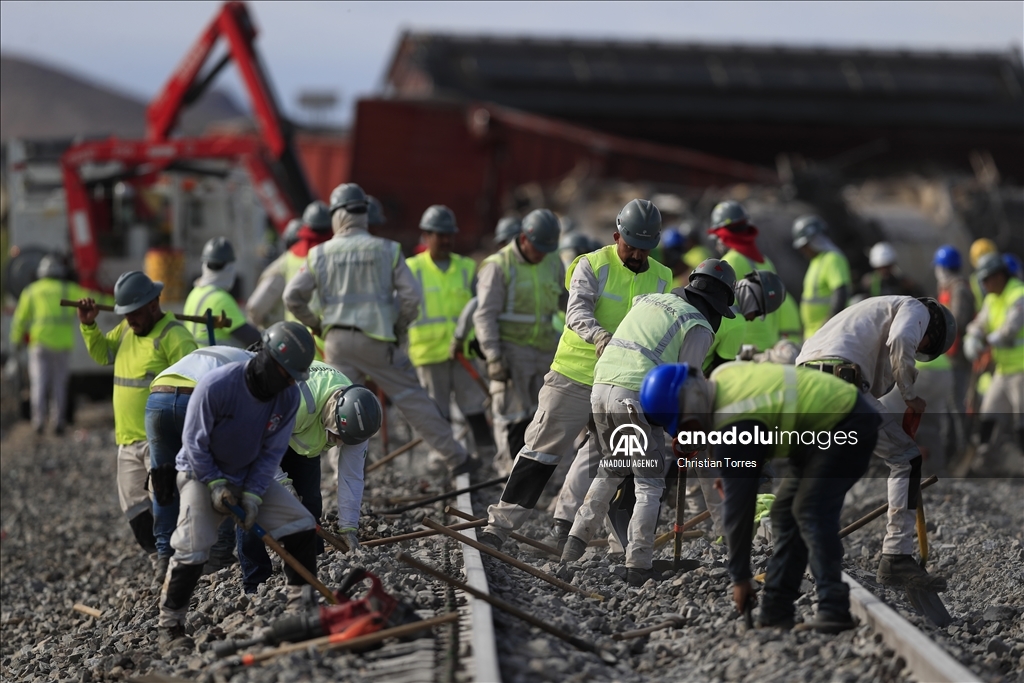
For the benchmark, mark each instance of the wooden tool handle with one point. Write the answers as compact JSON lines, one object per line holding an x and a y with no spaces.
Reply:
{"x":220,"y":321}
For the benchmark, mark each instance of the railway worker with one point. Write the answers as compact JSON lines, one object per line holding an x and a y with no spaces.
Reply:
{"x":314,"y":228}
{"x":169,"y":395}
{"x":805,"y":514}
{"x":369,"y":298}
{"x":141,"y":346}
{"x":979,"y":248}
{"x":885,"y":278}
{"x":237,"y":427}
{"x":873,"y":345}
{"x":602,"y":286}
{"x":446,"y":281}
{"x":759,"y":294}
{"x":674,"y":327}
{"x":520,"y":290}
{"x":332,"y":412}
{"x":47,"y":328}
{"x":827,"y":283}
{"x":955,"y":294}
{"x":211,"y":291}
{"x":1000,"y":326}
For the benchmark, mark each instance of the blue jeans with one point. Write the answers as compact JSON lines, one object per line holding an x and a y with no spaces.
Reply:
{"x":165,"y":420}
{"x":252,"y":553}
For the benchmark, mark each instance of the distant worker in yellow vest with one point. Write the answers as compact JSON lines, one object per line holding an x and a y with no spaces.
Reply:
{"x":1000,"y":326}
{"x":885,"y":278}
{"x":314,"y":228}
{"x":520,"y":289}
{"x":602,"y":286}
{"x":979,"y":248}
{"x":47,"y":328}
{"x":212,"y":291}
{"x":144,"y":344}
{"x":369,"y":298}
{"x":446,"y":281}
{"x":827,"y":284}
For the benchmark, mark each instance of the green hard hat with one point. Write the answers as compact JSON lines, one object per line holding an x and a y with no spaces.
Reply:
{"x":714,"y":280}
{"x":941,"y":329}
{"x":292,"y":346}
{"x":989,"y":265}
{"x":508,"y":227}
{"x":806,"y":228}
{"x":317,"y":217}
{"x":348,"y":196}
{"x":542,"y":229}
{"x":440,"y":219}
{"x":730,"y":214}
{"x":772,"y":291}
{"x":357,"y":414}
{"x":218,"y":252}
{"x":133,"y":290}
{"x":639,"y":224}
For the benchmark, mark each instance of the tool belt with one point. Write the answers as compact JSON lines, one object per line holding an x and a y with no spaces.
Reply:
{"x":163,"y":389}
{"x":848,"y":372}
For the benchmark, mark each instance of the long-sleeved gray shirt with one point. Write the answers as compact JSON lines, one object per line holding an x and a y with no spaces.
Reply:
{"x":880,"y":335}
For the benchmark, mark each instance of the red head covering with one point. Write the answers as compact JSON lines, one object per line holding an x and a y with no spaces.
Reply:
{"x":743,"y":242}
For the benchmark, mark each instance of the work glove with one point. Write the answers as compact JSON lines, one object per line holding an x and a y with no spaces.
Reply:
{"x":455,"y":347}
{"x":601,"y":342}
{"x":251,"y":508}
{"x":994,"y":339}
{"x":220,"y":496}
{"x":496,"y":370}
{"x":290,"y":487}
{"x":973,"y":347}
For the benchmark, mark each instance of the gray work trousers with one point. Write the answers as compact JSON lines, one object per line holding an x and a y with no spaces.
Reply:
{"x":48,"y":377}
{"x":897,"y":449}
{"x":515,"y":400}
{"x":441,"y":380}
{"x":359,"y":357}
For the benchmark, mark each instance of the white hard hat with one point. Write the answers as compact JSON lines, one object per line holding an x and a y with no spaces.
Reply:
{"x":882,"y":255}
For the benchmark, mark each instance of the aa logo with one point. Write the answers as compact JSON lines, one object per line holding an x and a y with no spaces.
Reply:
{"x":628,"y":441}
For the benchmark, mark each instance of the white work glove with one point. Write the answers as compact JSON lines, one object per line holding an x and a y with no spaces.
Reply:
{"x":973,"y":347}
{"x":220,"y":496}
{"x":994,"y":339}
{"x":251,"y":508}
{"x":497,"y":371}
{"x":601,"y":342}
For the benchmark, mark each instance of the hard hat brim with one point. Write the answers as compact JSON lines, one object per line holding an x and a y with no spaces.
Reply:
{"x":154,"y":294}
{"x":638,"y":243}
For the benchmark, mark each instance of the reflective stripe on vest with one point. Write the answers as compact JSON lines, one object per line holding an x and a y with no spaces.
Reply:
{"x":651,"y":334}
{"x":531,"y":298}
{"x":1008,"y":359}
{"x":616,"y":290}
{"x":309,"y":436}
{"x":445,"y":294}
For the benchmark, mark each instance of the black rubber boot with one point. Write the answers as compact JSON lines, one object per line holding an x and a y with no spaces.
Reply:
{"x":574,"y":549}
{"x":142,"y":527}
{"x":901,"y":570}
{"x":302,"y":546}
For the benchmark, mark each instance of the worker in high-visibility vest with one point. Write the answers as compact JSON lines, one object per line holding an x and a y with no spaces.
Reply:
{"x":446,"y":280}
{"x":954,"y":292}
{"x":602,"y":286}
{"x":520,"y":290}
{"x":885,"y":278}
{"x":212,"y":291}
{"x":143,"y":345}
{"x":769,"y":411}
{"x":1000,"y":326}
{"x":314,"y":228}
{"x":333,"y":412}
{"x":979,"y":248}
{"x":48,"y":329}
{"x":369,"y":297}
{"x":827,"y":284}
{"x":874,"y":345}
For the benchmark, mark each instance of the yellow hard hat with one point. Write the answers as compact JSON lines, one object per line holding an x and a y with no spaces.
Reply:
{"x":980,"y":248}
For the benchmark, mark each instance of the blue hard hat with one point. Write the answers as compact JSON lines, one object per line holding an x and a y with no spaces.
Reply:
{"x":948,"y":257}
{"x":671,"y":238}
{"x":659,"y":394}
{"x":1012,"y":264}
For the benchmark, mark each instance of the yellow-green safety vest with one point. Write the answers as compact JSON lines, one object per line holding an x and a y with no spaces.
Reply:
{"x":40,"y":315}
{"x":650,"y":335}
{"x":445,"y":294}
{"x":827,"y":272}
{"x":530,"y":316}
{"x":617,"y":286}
{"x":728,"y":340}
{"x":783,"y":397}
{"x":309,"y":436}
{"x":1008,"y":359}
{"x":695,"y":256}
{"x":218,"y":299}
{"x":761,"y":333}
{"x":137,"y":361}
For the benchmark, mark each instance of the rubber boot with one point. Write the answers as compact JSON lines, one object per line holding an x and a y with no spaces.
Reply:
{"x":574,"y":549}
{"x":177,"y":592}
{"x":142,"y":527}
{"x":901,"y":570}
{"x":637,"y":577}
{"x":302,"y":546}
{"x":556,"y":537}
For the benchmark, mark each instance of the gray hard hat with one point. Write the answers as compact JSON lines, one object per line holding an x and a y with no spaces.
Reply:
{"x":440,"y":219}
{"x":714,"y":280}
{"x":133,"y":290}
{"x":772,"y":292}
{"x":639,"y":223}
{"x":577,"y":242}
{"x":941,"y":329}
{"x":542,"y":230}
{"x":316,"y":217}
{"x":989,"y":265}
{"x":375,"y":211}
{"x":292,"y":346}
{"x":51,"y":266}
{"x":806,"y":228}
{"x":357,"y":414}
{"x":508,"y":227}
{"x":730,"y":215}
{"x":218,"y":252}
{"x":291,"y":233}
{"x":348,"y":196}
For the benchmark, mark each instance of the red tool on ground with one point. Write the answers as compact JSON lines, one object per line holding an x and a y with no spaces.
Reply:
{"x":350,"y":618}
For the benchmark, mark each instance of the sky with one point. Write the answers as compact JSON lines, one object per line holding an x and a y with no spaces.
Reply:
{"x":345,"y":47}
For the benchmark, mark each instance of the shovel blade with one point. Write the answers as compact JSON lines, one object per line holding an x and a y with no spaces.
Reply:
{"x":928,"y":603}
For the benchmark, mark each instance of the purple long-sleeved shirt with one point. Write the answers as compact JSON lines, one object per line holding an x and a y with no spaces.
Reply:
{"x":230,"y":434}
